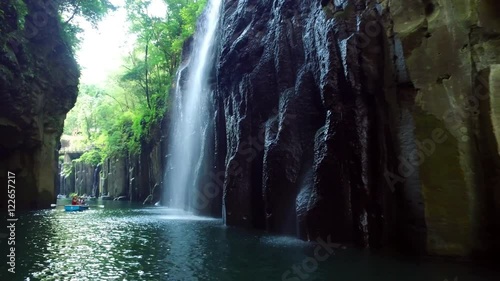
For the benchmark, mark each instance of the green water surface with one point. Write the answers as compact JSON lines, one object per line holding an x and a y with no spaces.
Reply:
{"x":127,"y":242}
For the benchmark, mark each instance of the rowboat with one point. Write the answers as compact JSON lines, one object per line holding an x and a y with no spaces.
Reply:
{"x":75,"y":208}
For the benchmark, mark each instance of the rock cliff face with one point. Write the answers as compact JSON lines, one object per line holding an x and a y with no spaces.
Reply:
{"x":38,"y":86}
{"x":136,"y":176}
{"x":133,"y":177}
{"x":373,"y":122}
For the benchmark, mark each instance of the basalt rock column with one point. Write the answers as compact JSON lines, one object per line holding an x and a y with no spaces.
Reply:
{"x":372,"y":122}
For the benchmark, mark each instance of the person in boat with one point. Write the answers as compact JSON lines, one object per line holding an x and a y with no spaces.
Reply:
{"x":74,"y":201}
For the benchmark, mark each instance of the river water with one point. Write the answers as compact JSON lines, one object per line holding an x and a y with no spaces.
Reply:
{"x":128,"y":242}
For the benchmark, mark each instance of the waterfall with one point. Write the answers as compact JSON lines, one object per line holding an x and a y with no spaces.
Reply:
{"x":95,"y":181}
{"x":191,"y":91}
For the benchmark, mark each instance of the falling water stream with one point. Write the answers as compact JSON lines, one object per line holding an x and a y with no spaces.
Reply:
{"x":185,"y":139}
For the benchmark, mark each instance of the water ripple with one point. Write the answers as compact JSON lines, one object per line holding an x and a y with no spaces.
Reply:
{"x":161,"y":244}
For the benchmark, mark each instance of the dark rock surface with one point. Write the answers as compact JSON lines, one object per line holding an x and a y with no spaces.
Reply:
{"x":332,"y":118}
{"x":38,"y":86}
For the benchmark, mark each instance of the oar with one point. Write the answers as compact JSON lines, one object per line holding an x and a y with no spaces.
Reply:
{"x":55,"y":205}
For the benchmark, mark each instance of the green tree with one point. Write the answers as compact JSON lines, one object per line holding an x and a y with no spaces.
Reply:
{"x":91,"y":10}
{"x":116,"y":119}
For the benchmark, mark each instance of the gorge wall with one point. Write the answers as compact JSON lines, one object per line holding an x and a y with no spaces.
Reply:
{"x":38,"y":86}
{"x":129,"y":177}
{"x":372,"y":122}
{"x":136,"y":176}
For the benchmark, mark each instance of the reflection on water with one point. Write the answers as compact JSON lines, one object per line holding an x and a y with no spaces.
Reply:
{"x":116,"y":243}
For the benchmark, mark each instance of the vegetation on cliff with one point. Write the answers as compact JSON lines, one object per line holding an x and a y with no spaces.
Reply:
{"x":116,"y":118}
